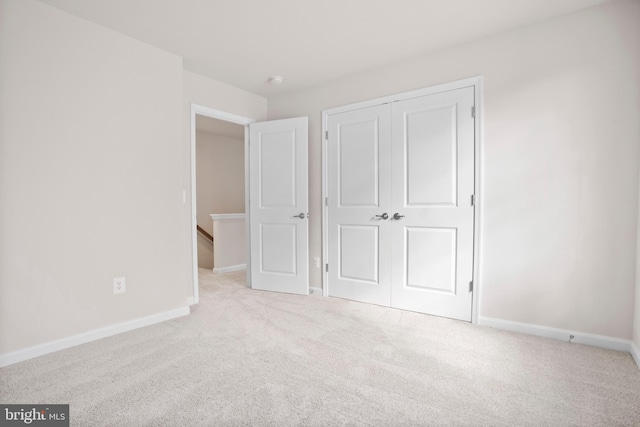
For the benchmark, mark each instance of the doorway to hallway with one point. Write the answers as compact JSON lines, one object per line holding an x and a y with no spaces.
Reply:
{"x":220,"y":188}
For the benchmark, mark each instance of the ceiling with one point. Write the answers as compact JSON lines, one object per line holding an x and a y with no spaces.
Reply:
{"x":308,"y":42}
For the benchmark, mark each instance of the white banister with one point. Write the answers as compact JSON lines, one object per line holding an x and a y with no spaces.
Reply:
{"x":229,"y":242}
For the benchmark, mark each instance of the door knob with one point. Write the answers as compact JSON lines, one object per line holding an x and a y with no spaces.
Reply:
{"x":301,"y":216}
{"x":383,"y":216}
{"x":397,"y":216}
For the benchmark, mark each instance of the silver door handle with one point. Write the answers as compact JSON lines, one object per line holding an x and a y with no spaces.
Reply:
{"x":301,"y":216}
{"x":383,"y":216}
{"x":397,"y":216}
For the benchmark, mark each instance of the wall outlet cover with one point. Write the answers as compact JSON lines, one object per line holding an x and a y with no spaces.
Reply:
{"x":119,"y":285}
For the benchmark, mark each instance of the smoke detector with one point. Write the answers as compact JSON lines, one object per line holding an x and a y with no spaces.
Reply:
{"x":275,"y":80}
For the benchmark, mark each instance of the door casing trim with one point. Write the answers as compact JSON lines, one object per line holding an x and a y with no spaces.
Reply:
{"x":201,"y":110}
{"x":476,"y":83}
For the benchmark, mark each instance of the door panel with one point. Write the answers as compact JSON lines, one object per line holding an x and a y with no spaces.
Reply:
{"x":278,"y":248}
{"x":430,"y":149}
{"x":277,"y":169}
{"x":359,"y":180}
{"x":358,"y":147}
{"x":278,"y":195}
{"x":431,"y":258}
{"x":433,"y":181}
{"x":359,"y":253}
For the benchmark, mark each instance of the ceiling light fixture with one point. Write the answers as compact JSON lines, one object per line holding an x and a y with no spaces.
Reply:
{"x":275,"y":80}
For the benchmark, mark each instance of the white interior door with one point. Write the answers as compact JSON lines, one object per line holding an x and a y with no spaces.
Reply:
{"x":359,"y":179}
{"x":433,"y":182}
{"x":279,"y":205}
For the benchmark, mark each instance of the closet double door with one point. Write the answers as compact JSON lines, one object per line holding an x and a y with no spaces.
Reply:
{"x":400,"y":204}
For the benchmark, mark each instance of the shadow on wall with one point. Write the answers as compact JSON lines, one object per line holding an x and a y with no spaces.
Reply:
{"x":205,"y":252}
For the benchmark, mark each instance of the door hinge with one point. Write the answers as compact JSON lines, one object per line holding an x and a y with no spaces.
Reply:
{"x":326,"y":201}
{"x":473,"y":111}
{"x":473,"y":200}
{"x":326,"y":134}
{"x":471,"y":286}
{"x":326,"y":267}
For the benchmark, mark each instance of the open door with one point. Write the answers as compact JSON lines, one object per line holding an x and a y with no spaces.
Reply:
{"x":279,"y":224}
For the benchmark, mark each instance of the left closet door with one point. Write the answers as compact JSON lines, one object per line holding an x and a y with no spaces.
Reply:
{"x":359,"y":204}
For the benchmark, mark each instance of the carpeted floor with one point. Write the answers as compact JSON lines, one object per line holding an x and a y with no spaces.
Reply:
{"x":256,"y":358}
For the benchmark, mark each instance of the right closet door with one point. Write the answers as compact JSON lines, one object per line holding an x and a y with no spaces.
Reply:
{"x":420,"y":173}
{"x":433,"y":214}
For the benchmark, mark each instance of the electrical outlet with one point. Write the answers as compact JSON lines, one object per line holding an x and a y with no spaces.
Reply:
{"x":119,"y":285}
{"x":316,"y":262}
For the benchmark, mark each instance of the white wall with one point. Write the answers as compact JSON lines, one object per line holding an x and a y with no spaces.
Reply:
{"x":94,"y":159}
{"x":636,"y":323}
{"x":560,"y":165}
{"x":220,"y":176}
{"x":213,"y":94}
{"x":91,"y":177}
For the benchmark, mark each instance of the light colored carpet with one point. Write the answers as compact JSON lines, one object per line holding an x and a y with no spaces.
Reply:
{"x":247,"y":357}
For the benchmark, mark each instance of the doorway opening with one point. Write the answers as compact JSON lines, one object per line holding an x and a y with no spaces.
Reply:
{"x":219,"y":185}
{"x":219,"y":193}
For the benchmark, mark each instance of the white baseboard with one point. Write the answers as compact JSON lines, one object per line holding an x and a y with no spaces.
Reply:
{"x":85,"y":337}
{"x":635,"y":353}
{"x":230,"y":268}
{"x":315,"y":291}
{"x":559,"y":334}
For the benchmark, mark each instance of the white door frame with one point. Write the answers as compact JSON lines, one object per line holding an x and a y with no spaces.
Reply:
{"x":476,"y":83}
{"x":227,"y":117}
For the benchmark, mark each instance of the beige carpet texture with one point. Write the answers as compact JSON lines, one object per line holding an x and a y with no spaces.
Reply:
{"x":252,"y":358}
